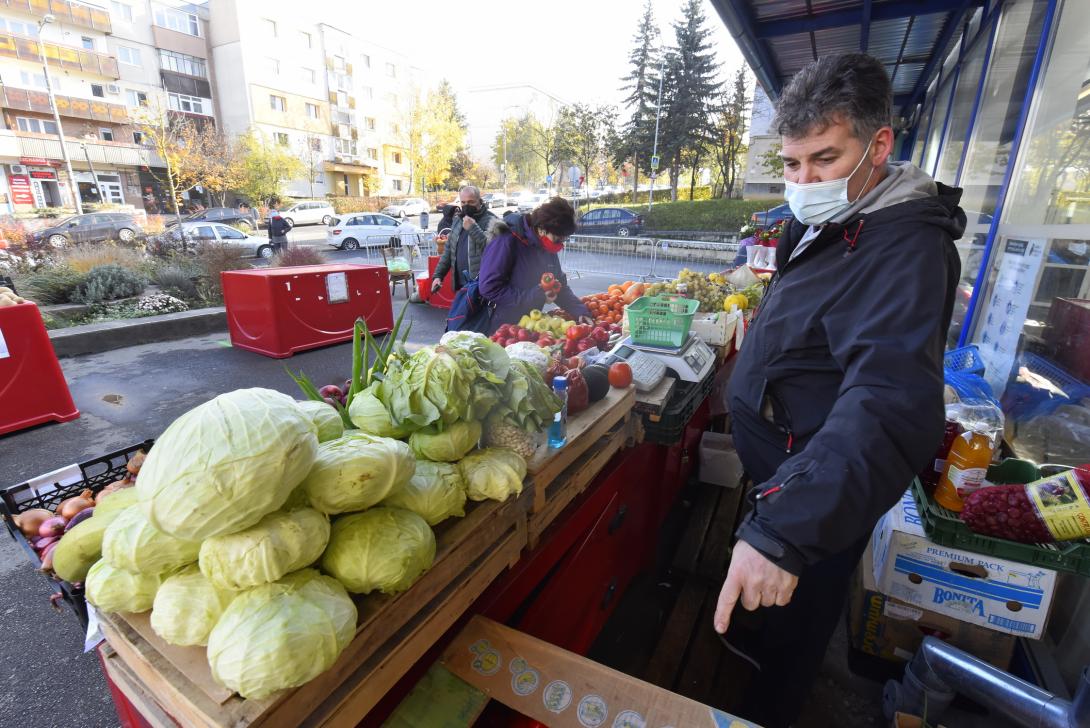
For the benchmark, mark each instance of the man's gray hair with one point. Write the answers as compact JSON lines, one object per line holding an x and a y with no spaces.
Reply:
{"x":853,"y":87}
{"x":470,"y":188}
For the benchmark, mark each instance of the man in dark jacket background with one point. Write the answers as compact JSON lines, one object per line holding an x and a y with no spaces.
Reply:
{"x":836,"y":397}
{"x":465,"y":244}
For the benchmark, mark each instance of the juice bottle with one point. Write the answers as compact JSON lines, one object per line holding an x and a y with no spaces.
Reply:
{"x":966,"y":465}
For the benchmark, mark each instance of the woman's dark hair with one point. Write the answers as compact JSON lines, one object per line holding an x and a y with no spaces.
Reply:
{"x":556,"y":216}
{"x":853,"y":87}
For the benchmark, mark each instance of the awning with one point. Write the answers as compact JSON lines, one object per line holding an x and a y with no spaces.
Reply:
{"x":346,"y":168}
{"x":910,"y":37}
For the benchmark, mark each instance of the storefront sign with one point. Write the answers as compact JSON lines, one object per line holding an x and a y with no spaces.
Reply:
{"x":43,"y":174}
{"x":20,"y":189}
{"x":35,"y":161}
{"x":1007,"y":309}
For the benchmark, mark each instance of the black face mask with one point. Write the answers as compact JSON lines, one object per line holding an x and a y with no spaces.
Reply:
{"x":470,"y":210}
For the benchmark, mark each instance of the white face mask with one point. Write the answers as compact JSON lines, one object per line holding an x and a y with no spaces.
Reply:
{"x":816,"y":203}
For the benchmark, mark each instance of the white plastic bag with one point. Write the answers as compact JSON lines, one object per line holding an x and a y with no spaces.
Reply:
{"x":761,"y":257}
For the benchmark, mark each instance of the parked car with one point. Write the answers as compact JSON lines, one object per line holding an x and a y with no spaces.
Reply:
{"x":440,"y":205}
{"x":529,"y":203}
{"x":356,"y":230}
{"x":91,"y":228}
{"x":244,"y":220}
{"x":405,"y":208}
{"x":197,"y":233}
{"x":610,"y":221}
{"x":496,"y":200}
{"x":771,"y":217}
{"x":308,"y":213}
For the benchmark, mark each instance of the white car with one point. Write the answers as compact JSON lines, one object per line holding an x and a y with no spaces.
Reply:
{"x":406,"y":208}
{"x":308,"y":213}
{"x":218,"y":233}
{"x":356,"y":230}
{"x":529,"y":203}
{"x":495,"y":200}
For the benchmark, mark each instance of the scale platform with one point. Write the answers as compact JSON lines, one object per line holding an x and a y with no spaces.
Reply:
{"x":690,"y":362}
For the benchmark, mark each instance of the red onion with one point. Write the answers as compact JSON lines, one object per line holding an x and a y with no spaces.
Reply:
{"x":52,"y":527}
{"x":79,"y":517}
{"x":41,"y":543}
{"x":47,"y":557}
{"x":30,"y":521}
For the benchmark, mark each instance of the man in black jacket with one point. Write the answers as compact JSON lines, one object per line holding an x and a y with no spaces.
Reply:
{"x":836,"y":397}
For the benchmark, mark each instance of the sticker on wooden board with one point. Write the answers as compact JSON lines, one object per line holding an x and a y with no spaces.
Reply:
{"x":629,"y":719}
{"x":525,"y":682}
{"x":487,"y":661}
{"x":592,"y":711}
{"x":557,"y":696}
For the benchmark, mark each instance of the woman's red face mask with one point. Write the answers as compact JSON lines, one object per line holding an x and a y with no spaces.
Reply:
{"x":552,"y":245}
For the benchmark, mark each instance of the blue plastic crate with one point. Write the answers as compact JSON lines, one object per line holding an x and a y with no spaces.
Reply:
{"x":1022,"y":401}
{"x":966,"y":359}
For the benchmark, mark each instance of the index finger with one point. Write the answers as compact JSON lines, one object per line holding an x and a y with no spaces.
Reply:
{"x":728,"y":597}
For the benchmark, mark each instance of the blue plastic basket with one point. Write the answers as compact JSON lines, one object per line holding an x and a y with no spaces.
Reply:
{"x":1021,"y":401}
{"x":966,"y":359}
{"x":969,"y":385}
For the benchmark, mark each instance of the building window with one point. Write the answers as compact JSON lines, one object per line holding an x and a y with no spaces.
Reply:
{"x":346,"y":146}
{"x":397,"y":185}
{"x":369,"y":122}
{"x":341,"y":117}
{"x":106,"y":135}
{"x":38,"y":126}
{"x":395,"y":128}
{"x":338,"y":63}
{"x":269,"y":27}
{"x":312,"y":111}
{"x":32,"y":80}
{"x":98,"y":91}
{"x":365,"y":60}
{"x":177,"y":20}
{"x":136,"y":98}
{"x":87,"y":43}
{"x":128,"y":55}
{"x":19,"y":27}
{"x":138,"y":137}
{"x":372,"y":153}
{"x":181,"y":63}
{"x":278,"y":103}
{"x":397,"y":157}
{"x":189,"y":104}
{"x":391,"y":70}
{"x":122,"y":10}
{"x":315,"y":144}
{"x":272,"y":66}
{"x":305,"y":40}
{"x":368,"y":93}
{"x":281,"y":138}
{"x":309,"y":75}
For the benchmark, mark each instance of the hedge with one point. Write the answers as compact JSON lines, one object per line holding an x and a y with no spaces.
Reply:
{"x":711,"y":215}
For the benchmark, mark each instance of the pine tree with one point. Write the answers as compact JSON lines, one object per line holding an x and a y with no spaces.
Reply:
{"x":691,"y":84}
{"x":633,"y":142}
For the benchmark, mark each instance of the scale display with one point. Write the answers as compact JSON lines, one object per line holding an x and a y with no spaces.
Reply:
{"x":690,"y":363}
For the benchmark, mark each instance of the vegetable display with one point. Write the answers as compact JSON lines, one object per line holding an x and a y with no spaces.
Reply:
{"x":436,"y":492}
{"x":1050,"y":509}
{"x":370,"y":415}
{"x":382,"y":549}
{"x":498,"y":432}
{"x":116,"y":590}
{"x":280,"y":543}
{"x":81,"y":546}
{"x":187,"y":607}
{"x":493,"y":473}
{"x":448,"y":445}
{"x":357,"y":471}
{"x":225,"y":464}
{"x":130,"y":542}
{"x":325,"y":418}
{"x":432,"y":386}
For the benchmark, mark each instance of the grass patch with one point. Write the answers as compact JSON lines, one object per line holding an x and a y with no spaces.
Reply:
{"x":720,"y":215}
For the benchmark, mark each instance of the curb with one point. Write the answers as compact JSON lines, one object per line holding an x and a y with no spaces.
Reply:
{"x":110,"y":335}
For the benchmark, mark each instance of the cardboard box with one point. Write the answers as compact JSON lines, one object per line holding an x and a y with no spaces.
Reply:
{"x":1002,"y":595}
{"x":716,"y":329}
{"x":562,"y":689}
{"x":892,"y":630}
{"x":719,"y":462}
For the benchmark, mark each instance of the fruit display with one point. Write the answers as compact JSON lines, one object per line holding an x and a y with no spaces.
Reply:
{"x":712,"y":291}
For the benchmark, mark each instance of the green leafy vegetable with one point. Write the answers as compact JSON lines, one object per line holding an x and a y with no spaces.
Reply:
{"x":187,"y":607}
{"x":325,"y":417}
{"x":370,"y":415}
{"x":115,"y":590}
{"x":357,"y":471}
{"x":432,"y":386}
{"x":130,"y":542}
{"x":280,"y":543}
{"x":527,"y":402}
{"x":435,"y":493}
{"x":493,"y":472}
{"x":447,"y":445}
{"x":382,"y":549}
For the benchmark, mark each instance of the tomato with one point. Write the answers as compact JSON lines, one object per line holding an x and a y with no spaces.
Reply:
{"x":620,"y":375}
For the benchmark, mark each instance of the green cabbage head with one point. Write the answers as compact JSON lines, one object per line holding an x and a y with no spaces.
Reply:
{"x":357,"y":471}
{"x":448,"y":446}
{"x":494,"y":472}
{"x":187,"y":607}
{"x":325,"y":418}
{"x":222,"y":466}
{"x":436,"y":492}
{"x":382,"y":549}
{"x":368,"y":413}
{"x":130,"y":542}
{"x":281,"y":635}
{"x":82,"y":546}
{"x":116,"y":590}
{"x":280,"y":543}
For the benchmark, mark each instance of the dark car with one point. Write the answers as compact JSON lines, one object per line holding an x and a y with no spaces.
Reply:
{"x":610,"y":221}
{"x":768,"y":218}
{"x":95,"y":227}
{"x":245,"y":220}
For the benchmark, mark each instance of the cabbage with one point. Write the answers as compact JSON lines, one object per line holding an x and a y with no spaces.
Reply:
{"x":527,"y":402}
{"x":357,"y":471}
{"x":220,"y":467}
{"x":81,"y":547}
{"x":281,"y":635}
{"x":116,"y":590}
{"x":494,"y":472}
{"x":383,"y":548}
{"x":325,"y":418}
{"x":368,"y":413}
{"x":436,"y":492}
{"x":431,"y":386}
{"x":447,"y":446}
{"x":280,"y":543}
{"x":187,"y":607}
{"x":530,"y":353}
{"x":490,"y":356}
{"x":130,"y":542}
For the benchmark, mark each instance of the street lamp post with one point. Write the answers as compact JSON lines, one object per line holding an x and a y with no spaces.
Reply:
{"x":94,"y":176}
{"x":655,"y":147}
{"x":73,"y":189}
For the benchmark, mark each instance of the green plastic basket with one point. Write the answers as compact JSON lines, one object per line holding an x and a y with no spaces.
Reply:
{"x":661,"y":320}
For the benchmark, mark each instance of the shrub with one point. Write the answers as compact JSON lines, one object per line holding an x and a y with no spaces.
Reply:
{"x":214,"y":259}
{"x":179,"y":278}
{"x":84,"y":258}
{"x":158,"y":303}
{"x":53,"y":285}
{"x":298,"y":255}
{"x":108,"y":283}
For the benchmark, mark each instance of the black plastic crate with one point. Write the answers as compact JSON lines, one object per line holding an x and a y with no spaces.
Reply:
{"x":96,"y":475}
{"x":686,"y":400}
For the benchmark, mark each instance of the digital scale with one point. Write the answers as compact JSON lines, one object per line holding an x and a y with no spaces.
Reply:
{"x":690,"y":363}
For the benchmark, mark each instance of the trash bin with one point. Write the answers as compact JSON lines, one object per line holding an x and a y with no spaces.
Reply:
{"x":32,"y":386}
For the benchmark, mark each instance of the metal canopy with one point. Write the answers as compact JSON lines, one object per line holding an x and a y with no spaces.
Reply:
{"x":911,"y":37}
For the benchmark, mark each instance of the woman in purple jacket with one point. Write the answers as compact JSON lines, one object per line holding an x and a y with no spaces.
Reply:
{"x":523,"y":248}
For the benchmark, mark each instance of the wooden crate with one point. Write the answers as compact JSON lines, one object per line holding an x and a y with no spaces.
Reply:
{"x":392,"y":633}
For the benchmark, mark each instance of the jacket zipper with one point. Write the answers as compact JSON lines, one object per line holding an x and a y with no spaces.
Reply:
{"x":785,"y":428}
{"x":778,"y":488}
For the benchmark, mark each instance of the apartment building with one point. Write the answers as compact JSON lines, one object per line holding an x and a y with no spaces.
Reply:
{"x":760,"y":181}
{"x":336,"y":101}
{"x":105,"y":60}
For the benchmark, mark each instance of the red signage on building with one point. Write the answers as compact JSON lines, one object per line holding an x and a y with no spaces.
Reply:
{"x":20,"y":189}
{"x":42,"y":174}
{"x":36,"y":161}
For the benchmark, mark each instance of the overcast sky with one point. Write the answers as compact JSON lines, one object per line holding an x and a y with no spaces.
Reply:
{"x":508,"y":41}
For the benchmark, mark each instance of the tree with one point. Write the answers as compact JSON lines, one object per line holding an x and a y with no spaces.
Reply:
{"x":222,"y":171}
{"x":731,"y":123}
{"x":772,"y":161}
{"x":436,"y":134}
{"x":633,"y":142}
{"x":542,"y":141}
{"x":524,"y":165}
{"x":180,"y":144}
{"x":310,"y":154}
{"x":691,"y":71}
{"x":582,"y":131}
{"x":265,"y":167}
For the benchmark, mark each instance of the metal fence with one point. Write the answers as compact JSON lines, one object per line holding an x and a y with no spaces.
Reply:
{"x":643,"y":258}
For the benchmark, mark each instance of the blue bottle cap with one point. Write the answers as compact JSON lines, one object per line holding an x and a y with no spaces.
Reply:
{"x":560,"y":383}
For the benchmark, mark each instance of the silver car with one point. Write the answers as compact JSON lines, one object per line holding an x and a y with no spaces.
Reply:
{"x":214,"y":232}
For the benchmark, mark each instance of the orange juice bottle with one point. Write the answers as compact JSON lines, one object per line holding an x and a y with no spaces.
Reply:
{"x":966,"y":465}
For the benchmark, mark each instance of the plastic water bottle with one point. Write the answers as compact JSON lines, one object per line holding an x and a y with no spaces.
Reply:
{"x":558,"y":430}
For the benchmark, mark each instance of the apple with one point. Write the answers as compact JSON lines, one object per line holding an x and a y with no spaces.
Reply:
{"x":508,"y":342}
{"x":545,"y":341}
{"x":524,"y":335}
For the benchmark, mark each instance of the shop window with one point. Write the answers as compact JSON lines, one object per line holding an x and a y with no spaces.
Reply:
{"x":938,"y":123}
{"x":961,"y":112}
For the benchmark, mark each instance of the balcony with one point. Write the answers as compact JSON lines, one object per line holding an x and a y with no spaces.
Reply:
{"x":58,"y":56}
{"x":66,"y":12}
{"x":94,"y":110}
{"x":109,"y":153}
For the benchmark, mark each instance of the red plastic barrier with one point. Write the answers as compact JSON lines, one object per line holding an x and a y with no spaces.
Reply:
{"x":32,"y":386}
{"x":445,"y":295}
